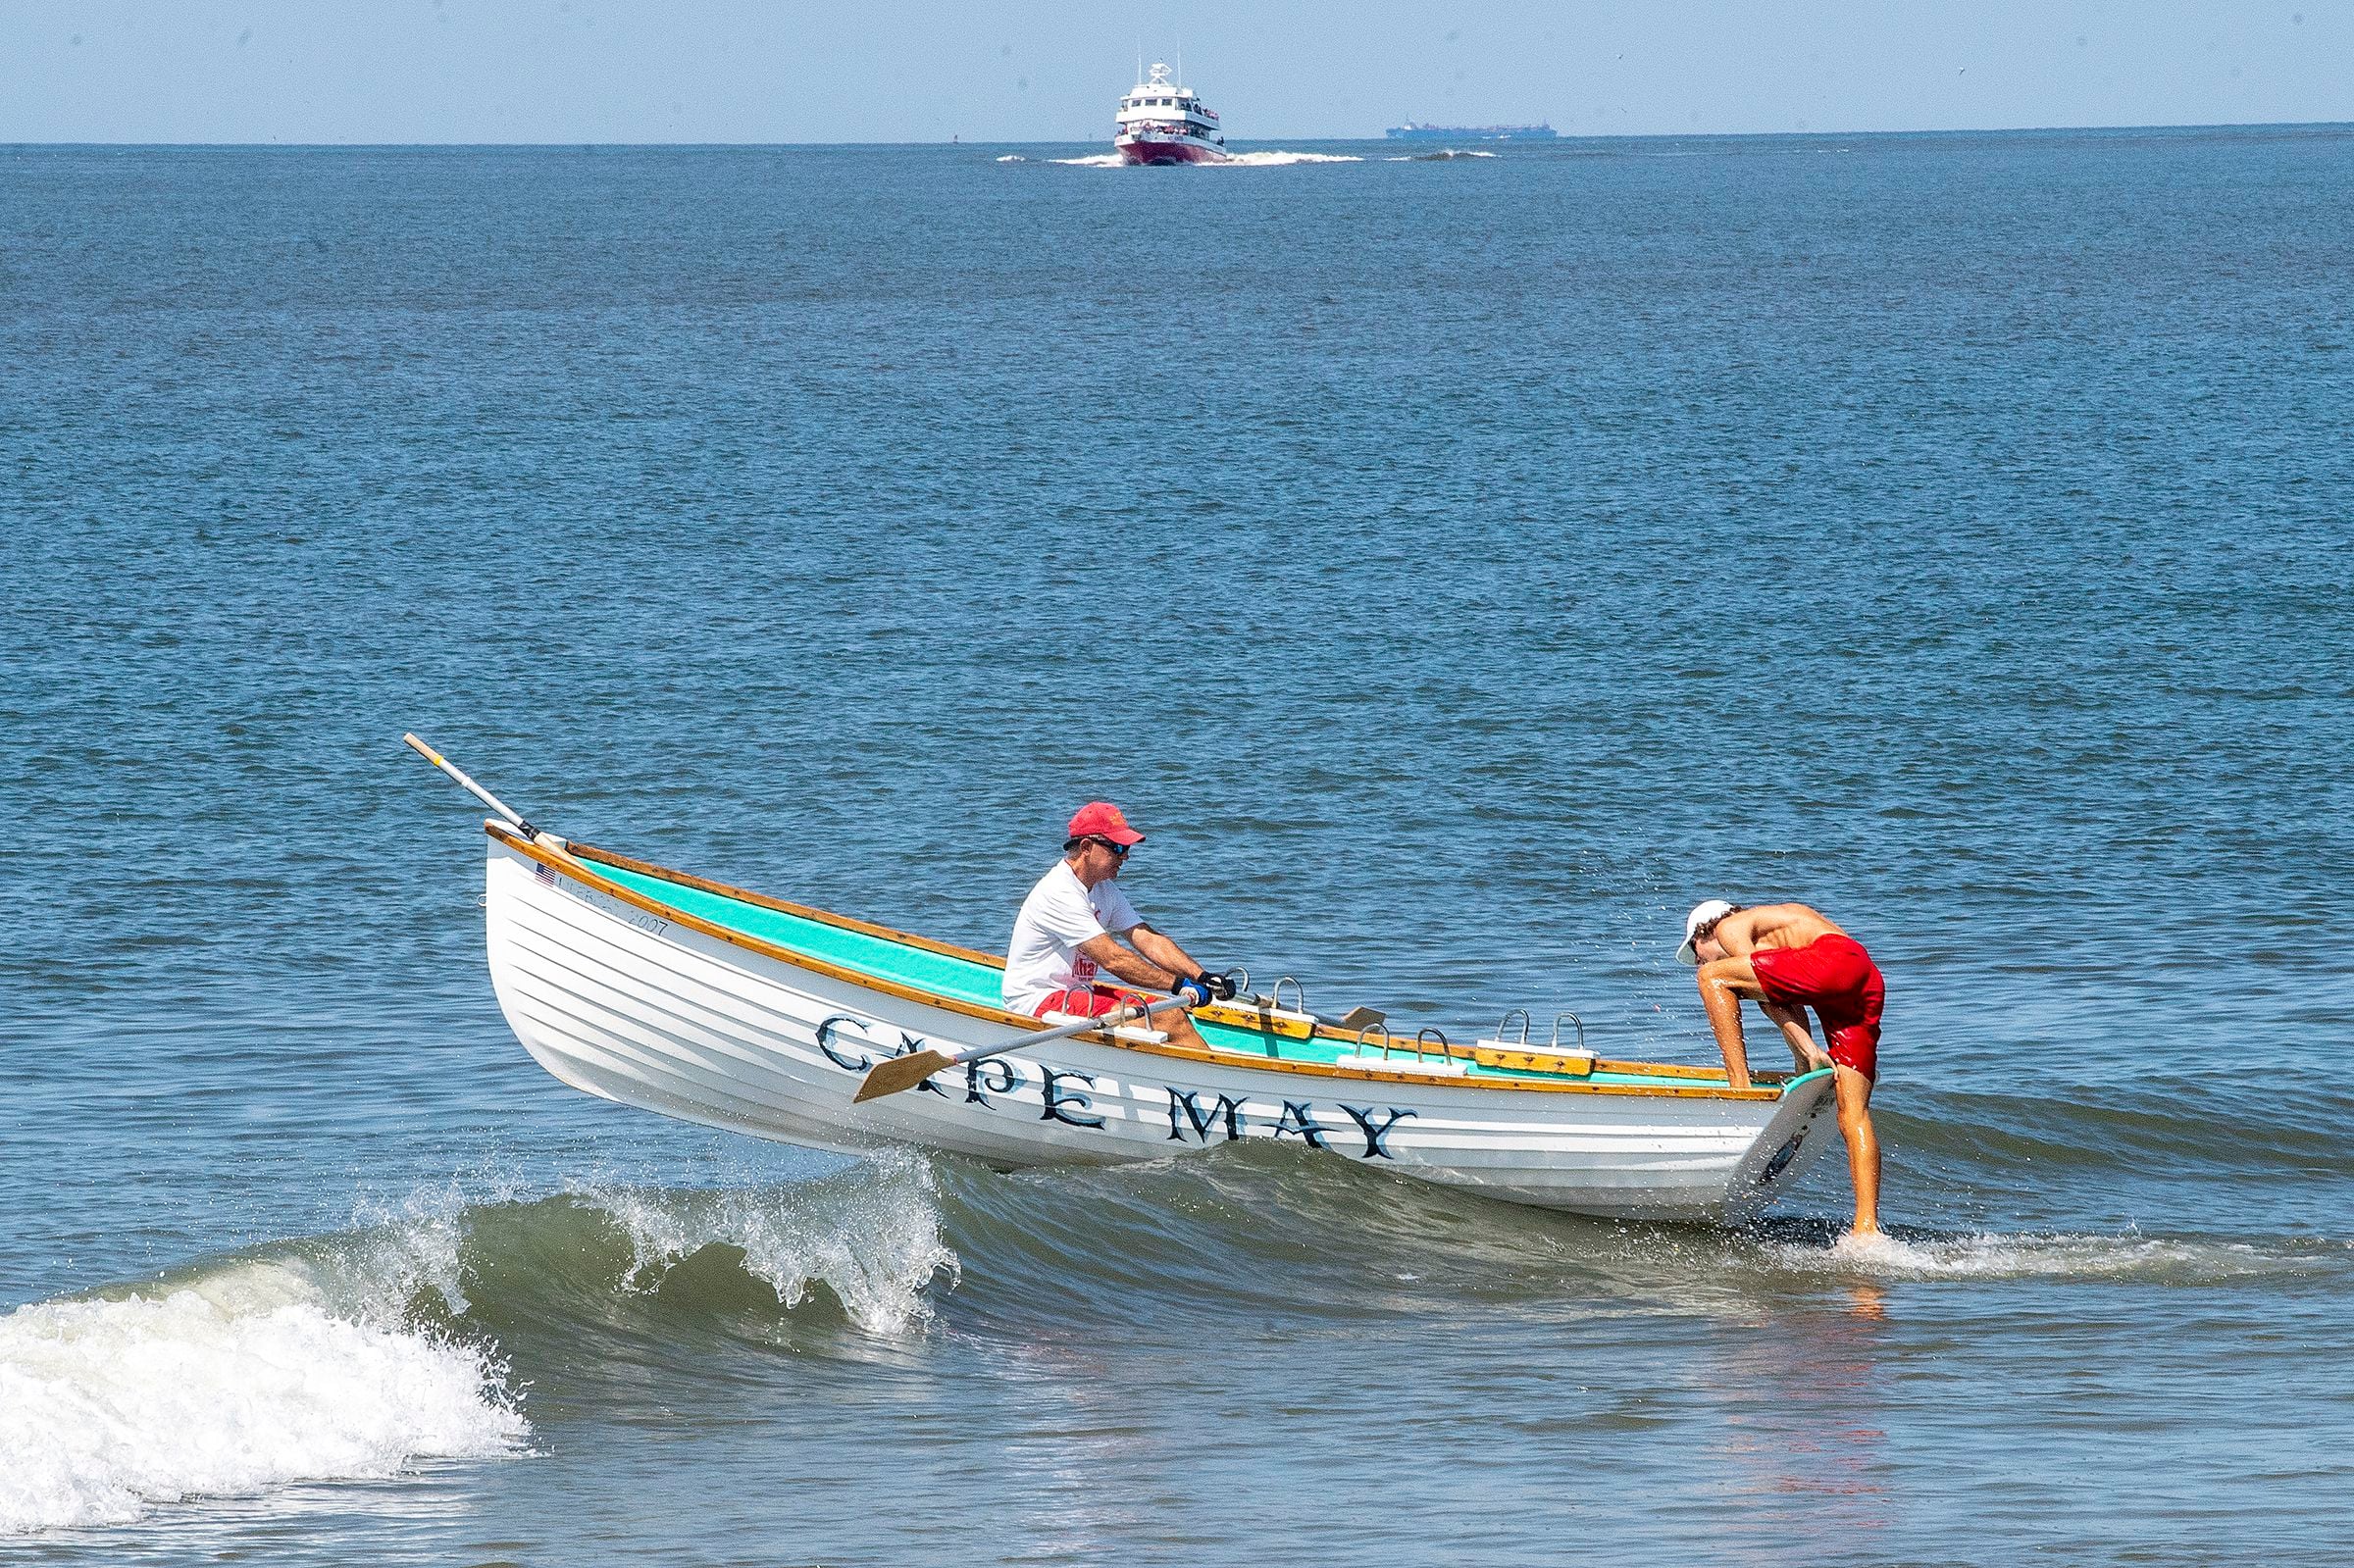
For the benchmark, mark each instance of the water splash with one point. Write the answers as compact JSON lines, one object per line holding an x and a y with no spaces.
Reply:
{"x":2057,"y":1257}
{"x":402,"y":1250}
{"x":872,"y":1237}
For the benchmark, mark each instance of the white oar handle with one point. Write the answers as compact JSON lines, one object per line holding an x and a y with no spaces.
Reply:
{"x":477,"y":790}
{"x":1066,"y":1030}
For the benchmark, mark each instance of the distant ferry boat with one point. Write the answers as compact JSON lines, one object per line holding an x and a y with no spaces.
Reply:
{"x":1410,"y":132}
{"x":1163,"y":123}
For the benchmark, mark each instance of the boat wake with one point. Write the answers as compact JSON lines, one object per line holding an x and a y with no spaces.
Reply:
{"x":1284,"y":160}
{"x":1240,"y":160}
{"x":1446,"y":156}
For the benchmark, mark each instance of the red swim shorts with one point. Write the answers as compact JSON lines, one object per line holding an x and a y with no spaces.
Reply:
{"x":1089,"y":1001}
{"x":1836,"y":977}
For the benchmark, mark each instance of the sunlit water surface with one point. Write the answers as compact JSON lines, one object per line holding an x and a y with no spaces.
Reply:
{"x":1457,"y":566}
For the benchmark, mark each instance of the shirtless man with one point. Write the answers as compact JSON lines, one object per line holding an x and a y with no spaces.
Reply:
{"x":1787,"y":958}
{"x":1069,"y":933}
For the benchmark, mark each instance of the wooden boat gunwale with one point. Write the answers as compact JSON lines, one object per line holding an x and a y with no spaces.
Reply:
{"x":578,"y":862}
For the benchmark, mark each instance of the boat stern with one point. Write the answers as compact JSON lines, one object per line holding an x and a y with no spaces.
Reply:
{"x":1802,"y":1127}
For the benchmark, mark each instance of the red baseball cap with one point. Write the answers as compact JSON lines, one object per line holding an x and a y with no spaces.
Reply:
{"x":1101,"y":819}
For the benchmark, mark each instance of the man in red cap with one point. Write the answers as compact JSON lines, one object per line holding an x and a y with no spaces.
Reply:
{"x":1070,"y":929}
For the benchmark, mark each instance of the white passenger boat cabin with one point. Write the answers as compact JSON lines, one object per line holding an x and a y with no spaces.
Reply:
{"x":1157,"y":104}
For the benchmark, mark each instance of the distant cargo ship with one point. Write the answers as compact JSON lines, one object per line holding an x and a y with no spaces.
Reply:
{"x":1410,"y":132}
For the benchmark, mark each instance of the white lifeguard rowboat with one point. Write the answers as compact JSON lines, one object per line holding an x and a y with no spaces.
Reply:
{"x":724,"y":1007}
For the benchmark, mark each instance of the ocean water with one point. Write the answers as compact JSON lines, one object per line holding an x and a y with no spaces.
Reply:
{"x":1457,"y":566}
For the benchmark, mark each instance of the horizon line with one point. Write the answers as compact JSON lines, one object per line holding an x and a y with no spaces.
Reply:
{"x":1556,"y":138}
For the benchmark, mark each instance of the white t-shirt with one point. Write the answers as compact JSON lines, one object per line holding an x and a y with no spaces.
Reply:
{"x":1059,"y":914}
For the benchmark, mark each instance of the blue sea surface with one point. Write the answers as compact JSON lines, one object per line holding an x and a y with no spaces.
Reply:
{"x":1457,"y":566}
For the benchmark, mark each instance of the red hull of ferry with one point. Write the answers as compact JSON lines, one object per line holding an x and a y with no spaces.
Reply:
{"x":1171,"y":152}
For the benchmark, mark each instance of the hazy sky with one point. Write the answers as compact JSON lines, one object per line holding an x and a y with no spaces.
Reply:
{"x":730,"y":71}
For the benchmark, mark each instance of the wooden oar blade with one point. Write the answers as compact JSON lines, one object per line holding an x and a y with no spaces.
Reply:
{"x":900,"y":1072}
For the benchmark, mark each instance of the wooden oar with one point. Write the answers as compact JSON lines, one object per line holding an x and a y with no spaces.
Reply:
{"x":477,"y":790}
{"x":897,"y":1073}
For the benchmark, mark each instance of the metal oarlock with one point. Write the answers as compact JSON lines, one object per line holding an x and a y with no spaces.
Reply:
{"x":1299,"y":994}
{"x":1505,"y":1039}
{"x":1364,"y":1043}
{"x":1432,"y":1037}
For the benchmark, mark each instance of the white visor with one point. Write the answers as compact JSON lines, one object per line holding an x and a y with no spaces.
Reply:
{"x":1707,"y":912}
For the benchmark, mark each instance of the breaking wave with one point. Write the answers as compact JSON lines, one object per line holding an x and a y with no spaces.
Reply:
{"x":415,"y":1335}
{"x":244,"y":1378}
{"x":431,"y":1327}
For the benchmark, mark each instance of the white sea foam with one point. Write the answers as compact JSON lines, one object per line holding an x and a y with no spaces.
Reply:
{"x":871,"y":1239}
{"x":1013,"y":158}
{"x":2048,"y":1256}
{"x":244,"y":1379}
{"x":1281,"y":160}
{"x":1240,"y":160}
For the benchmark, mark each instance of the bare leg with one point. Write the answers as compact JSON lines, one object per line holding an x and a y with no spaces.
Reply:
{"x":1863,"y":1148}
{"x":1179,"y":1027}
{"x":1722,"y":983}
{"x":1170,"y":1020}
{"x":1793,"y":1024}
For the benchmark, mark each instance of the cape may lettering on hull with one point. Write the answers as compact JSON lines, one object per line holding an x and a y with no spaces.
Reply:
{"x":1188,"y":1119}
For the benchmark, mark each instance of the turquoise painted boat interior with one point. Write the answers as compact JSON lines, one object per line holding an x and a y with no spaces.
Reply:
{"x":967,"y":981}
